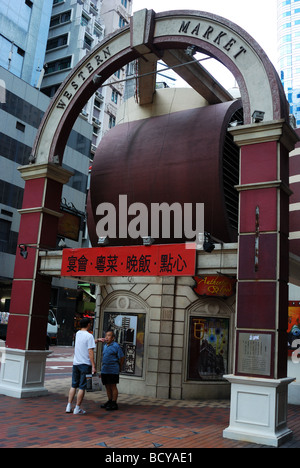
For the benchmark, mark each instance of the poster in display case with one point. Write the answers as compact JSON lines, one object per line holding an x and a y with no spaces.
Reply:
{"x":208,"y":348}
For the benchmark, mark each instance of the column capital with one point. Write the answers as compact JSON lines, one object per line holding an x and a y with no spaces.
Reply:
{"x":47,"y":171}
{"x":277,"y":130}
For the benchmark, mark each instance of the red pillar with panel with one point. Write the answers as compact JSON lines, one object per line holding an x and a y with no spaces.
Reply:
{"x":27,"y":328}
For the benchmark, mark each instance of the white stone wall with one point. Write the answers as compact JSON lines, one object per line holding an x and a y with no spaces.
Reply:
{"x":167,"y":302}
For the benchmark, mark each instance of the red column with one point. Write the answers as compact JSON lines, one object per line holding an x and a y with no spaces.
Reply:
{"x":259,"y":386}
{"x":263,"y":258}
{"x":38,"y":230}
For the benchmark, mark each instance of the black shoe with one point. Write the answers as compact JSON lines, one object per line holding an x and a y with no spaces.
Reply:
{"x":112,"y":407}
{"x":106,"y":405}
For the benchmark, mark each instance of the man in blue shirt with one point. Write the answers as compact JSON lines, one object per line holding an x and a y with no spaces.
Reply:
{"x":112,"y":363}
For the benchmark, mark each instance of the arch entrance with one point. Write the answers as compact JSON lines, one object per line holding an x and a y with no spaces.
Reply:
{"x":264,"y":203}
{"x":164,"y":36}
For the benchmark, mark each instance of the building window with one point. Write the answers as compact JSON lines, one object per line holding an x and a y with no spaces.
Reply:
{"x":112,"y":121}
{"x":88,"y":43}
{"x":286,"y":38}
{"x":50,"y":91}
{"x":114,"y":96}
{"x":124,"y":3}
{"x":122,"y":22}
{"x":129,"y":330}
{"x":58,"y":41}
{"x":84,"y":21}
{"x":208,"y":348}
{"x":58,"y":65}
{"x":60,"y":19}
{"x":5,"y":228}
{"x":11,"y":56}
{"x":20,"y":126}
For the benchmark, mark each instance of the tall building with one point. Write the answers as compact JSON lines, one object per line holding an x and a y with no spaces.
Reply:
{"x":115,"y":14}
{"x":40,"y":42}
{"x":21,"y":110}
{"x":23,"y":41}
{"x":76,"y":27}
{"x":24,"y":28}
{"x":289,"y":52}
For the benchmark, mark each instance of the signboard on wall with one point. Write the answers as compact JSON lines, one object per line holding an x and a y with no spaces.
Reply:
{"x":69,"y":226}
{"x":254,"y":357}
{"x":159,"y":260}
{"x":215,"y":286}
{"x":208,"y":348}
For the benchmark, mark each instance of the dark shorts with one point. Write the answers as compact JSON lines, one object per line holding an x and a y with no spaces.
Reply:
{"x":79,"y":376}
{"x":110,"y":379}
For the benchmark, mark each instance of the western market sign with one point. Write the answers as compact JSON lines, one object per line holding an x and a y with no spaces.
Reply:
{"x":150,"y":34}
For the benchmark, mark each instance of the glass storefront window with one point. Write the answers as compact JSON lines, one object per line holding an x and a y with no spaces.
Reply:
{"x":129,"y":330}
{"x":208,"y":348}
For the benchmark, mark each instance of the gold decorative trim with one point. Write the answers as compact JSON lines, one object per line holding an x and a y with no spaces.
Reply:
{"x":48,"y":171}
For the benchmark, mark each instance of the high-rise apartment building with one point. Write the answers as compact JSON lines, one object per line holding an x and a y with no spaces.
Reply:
{"x":23,"y":40}
{"x":24,"y":28}
{"x":289,"y":52}
{"x":40,"y":42}
{"x":76,"y":27}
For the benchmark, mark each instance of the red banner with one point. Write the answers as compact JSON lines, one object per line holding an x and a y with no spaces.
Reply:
{"x":214,"y":285}
{"x":159,"y":260}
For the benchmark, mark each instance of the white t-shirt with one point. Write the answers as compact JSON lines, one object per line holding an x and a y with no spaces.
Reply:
{"x":84,"y":341}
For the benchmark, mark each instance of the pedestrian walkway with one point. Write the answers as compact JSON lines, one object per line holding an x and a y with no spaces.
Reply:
{"x":140,"y":423}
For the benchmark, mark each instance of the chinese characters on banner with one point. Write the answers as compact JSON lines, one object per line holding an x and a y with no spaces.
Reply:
{"x":160,"y":260}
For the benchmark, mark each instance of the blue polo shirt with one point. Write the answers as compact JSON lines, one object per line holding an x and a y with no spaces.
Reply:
{"x":111,"y":358}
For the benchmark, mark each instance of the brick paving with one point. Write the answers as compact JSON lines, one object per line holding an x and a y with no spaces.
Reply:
{"x":140,"y":423}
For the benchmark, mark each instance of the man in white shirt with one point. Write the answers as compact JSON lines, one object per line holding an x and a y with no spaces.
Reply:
{"x":83,"y":364}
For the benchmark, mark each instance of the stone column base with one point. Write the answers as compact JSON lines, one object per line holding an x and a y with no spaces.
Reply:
{"x":258,"y":410}
{"x":23,"y":373}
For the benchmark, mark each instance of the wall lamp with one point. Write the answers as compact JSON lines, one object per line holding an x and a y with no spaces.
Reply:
{"x":208,"y":245}
{"x":258,"y":116}
{"x":103,"y":241}
{"x":148,"y":241}
{"x":191,"y":51}
{"x":23,"y":251}
{"x":235,"y":123}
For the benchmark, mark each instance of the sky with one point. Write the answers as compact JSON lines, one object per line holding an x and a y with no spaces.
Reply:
{"x":257,"y":17}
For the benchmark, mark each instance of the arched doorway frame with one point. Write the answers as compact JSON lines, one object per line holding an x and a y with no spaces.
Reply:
{"x":133,"y":304}
{"x":151,"y":33}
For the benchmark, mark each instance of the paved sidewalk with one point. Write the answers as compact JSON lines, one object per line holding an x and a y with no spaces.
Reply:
{"x":140,"y":423}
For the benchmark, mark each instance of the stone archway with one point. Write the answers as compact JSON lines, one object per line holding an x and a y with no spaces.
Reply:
{"x":151,"y":35}
{"x":264,"y":200}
